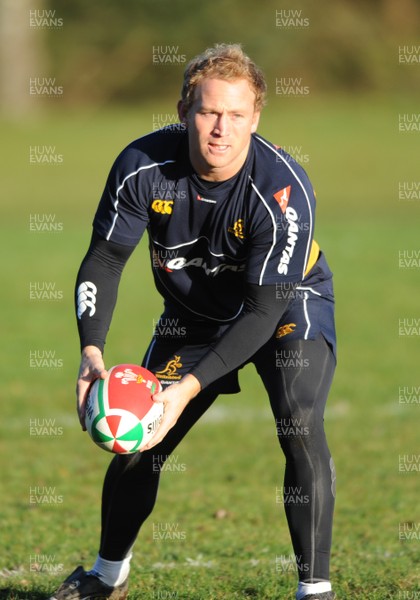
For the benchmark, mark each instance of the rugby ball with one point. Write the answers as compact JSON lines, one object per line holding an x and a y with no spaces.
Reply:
{"x":120,"y":412}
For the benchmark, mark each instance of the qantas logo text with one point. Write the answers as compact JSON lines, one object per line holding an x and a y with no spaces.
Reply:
{"x":292,"y":231}
{"x":179,"y":263}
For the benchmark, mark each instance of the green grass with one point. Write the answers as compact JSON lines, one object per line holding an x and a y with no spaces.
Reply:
{"x":230,"y":461}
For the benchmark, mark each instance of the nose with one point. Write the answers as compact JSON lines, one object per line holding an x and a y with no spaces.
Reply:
{"x":221,"y":126}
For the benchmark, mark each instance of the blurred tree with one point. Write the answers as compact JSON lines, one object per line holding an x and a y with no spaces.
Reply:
{"x":108,"y":52}
{"x":21,"y":56}
{"x":402,"y":15}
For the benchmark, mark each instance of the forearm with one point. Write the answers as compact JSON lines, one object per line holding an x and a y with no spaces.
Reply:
{"x":257,"y":322}
{"x":97,"y":289}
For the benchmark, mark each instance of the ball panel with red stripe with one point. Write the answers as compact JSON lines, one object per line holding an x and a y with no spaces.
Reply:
{"x":120,"y":412}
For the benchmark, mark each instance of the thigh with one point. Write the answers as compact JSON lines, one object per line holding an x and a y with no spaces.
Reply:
{"x":298,"y":362}
{"x":297,"y":375}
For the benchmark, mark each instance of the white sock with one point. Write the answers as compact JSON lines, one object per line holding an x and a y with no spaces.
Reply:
{"x":312,"y":588}
{"x":112,"y":572}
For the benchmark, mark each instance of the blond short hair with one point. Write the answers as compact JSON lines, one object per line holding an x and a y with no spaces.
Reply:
{"x":227,"y":62}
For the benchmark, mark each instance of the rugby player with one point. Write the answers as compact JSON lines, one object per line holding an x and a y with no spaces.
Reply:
{"x":230,"y":221}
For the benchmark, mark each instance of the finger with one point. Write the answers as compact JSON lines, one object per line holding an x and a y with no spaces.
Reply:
{"x":89,"y":376}
{"x":82,"y":391}
{"x":160,"y":433}
{"x":81,"y":410}
{"x":159,"y":397}
{"x":84,"y":383}
{"x":156,"y":439}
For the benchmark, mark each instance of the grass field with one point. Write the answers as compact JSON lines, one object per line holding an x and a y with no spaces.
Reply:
{"x":220,"y":489}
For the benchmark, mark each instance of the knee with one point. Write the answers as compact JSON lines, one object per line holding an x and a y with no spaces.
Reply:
{"x":300,"y":431}
{"x":299,"y":422}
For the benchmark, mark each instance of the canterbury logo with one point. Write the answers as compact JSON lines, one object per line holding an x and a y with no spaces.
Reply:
{"x":282,"y":197}
{"x":238,"y":229}
{"x":170,"y":371}
{"x":86,"y":298}
{"x":285,"y":329}
{"x":163,"y":207}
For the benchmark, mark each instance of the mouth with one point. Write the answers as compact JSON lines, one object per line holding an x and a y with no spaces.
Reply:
{"x":218,"y":148}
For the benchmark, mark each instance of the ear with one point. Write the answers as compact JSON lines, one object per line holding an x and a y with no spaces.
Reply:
{"x":182,"y":113}
{"x":255,"y":121}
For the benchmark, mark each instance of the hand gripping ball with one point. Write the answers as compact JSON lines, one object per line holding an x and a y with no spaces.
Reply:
{"x":120,"y":412}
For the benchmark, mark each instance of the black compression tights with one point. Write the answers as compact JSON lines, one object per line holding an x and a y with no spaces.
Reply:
{"x":298,"y":395}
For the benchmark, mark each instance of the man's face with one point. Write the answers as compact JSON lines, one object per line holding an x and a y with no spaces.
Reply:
{"x":220,"y":122}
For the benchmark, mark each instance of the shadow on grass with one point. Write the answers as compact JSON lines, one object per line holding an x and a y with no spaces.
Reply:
{"x":11,"y":593}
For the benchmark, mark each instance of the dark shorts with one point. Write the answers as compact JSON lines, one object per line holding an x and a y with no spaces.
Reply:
{"x":179,"y":343}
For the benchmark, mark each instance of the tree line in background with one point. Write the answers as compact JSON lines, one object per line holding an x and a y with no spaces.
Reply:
{"x":105,"y":52}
